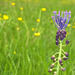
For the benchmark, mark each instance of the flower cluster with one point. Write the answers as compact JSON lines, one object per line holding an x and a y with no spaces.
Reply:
{"x":61,"y":34}
{"x":61,"y":22}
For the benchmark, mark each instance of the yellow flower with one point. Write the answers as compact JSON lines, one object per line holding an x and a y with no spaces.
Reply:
{"x":21,"y":8}
{"x":0,"y":18}
{"x":69,"y":25}
{"x":36,"y":1}
{"x":43,"y":9}
{"x":0,"y":14}
{"x":73,"y":26}
{"x":37,"y":34}
{"x":5,"y":17}
{"x":67,"y":33}
{"x":33,"y":29}
{"x":51,"y":21}
{"x":64,"y":2}
{"x":18,"y":29}
{"x":38,"y":20}
{"x":14,"y":52}
{"x":20,"y":19}
{"x":13,"y":4}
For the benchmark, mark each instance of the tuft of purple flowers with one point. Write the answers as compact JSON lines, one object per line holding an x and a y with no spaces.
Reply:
{"x":61,"y":20}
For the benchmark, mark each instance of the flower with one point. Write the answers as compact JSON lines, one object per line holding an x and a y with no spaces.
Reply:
{"x":38,"y":20}
{"x":13,"y":4}
{"x":43,"y":9}
{"x":50,"y":70}
{"x":73,"y":26}
{"x":66,"y":54}
{"x":33,"y":29}
{"x":14,"y":52}
{"x":37,"y":34}
{"x":53,"y":57}
{"x":61,"y":34}
{"x":51,"y":21}
{"x":21,"y":8}
{"x":67,"y":33}
{"x":60,"y":21}
{"x":0,"y":14}
{"x":0,"y":18}
{"x":20,"y":19}
{"x":67,"y":41}
{"x":63,"y":69}
{"x":5,"y":17}
{"x":52,"y":66}
{"x":69,"y":25}
{"x":61,"y":64}
{"x":57,"y":42}
{"x":64,"y":58}
{"x":60,"y":60}
{"x":18,"y":29}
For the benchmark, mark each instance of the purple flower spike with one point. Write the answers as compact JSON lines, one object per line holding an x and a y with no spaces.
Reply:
{"x":61,"y":21}
{"x":67,"y":42}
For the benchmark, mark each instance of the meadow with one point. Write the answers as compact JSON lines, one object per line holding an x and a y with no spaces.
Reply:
{"x":27,"y":36}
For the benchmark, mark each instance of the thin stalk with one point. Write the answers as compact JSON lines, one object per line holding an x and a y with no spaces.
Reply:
{"x":58,"y":65}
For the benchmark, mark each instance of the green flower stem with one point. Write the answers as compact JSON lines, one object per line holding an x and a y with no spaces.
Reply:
{"x":59,"y":57}
{"x":63,"y":51}
{"x":56,"y":53}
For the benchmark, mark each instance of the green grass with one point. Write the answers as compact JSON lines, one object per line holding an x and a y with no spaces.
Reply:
{"x":33,"y":54}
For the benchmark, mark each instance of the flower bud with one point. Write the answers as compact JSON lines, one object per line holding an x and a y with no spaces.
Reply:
{"x":66,"y":54}
{"x":65,"y":32}
{"x":55,"y":73}
{"x":58,"y":31}
{"x":60,"y":60}
{"x":67,"y":42}
{"x":50,"y":70}
{"x":64,"y":58}
{"x":61,"y":37}
{"x":57,"y":36}
{"x":54,"y":60}
{"x":53,"y":57}
{"x":57,"y":42}
{"x":61,"y":64}
{"x":63,"y":69}
{"x":52,"y":66}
